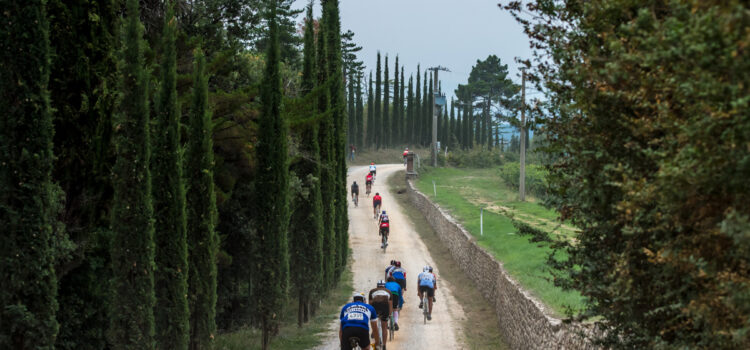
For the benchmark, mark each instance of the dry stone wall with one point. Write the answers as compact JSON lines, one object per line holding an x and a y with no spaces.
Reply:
{"x":524,"y":321}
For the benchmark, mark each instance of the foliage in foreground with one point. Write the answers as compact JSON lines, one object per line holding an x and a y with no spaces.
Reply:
{"x":650,"y":104}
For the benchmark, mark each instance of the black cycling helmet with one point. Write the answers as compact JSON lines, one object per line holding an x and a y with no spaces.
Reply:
{"x":355,"y":182}
{"x":430,"y":268}
{"x":377,"y":193}
{"x":393,"y":262}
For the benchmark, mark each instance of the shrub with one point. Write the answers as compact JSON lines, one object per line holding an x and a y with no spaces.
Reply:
{"x":536,"y":178}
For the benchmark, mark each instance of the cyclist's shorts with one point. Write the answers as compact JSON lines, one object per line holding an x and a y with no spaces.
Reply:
{"x":355,"y":191}
{"x":368,"y":182}
{"x":375,"y":204}
{"x":358,"y":332}
{"x":430,"y":291}
{"x":401,"y":282}
{"x":381,"y":307}
{"x":395,"y":298}
{"x":384,"y":229}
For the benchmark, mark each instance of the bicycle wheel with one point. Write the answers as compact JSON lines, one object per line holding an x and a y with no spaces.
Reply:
{"x":425,"y":307}
{"x":385,"y":242}
{"x":391,"y":327}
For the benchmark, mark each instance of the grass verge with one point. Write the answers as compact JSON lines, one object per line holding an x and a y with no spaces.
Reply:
{"x":290,"y":336}
{"x":464,"y":191}
{"x":480,"y":323}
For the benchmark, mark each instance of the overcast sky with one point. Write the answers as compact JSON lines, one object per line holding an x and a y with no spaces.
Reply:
{"x":450,"y":33}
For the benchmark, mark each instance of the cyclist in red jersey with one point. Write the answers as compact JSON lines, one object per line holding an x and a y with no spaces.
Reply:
{"x":377,"y":201}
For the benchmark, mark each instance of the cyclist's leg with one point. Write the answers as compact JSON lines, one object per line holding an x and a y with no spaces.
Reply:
{"x":430,"y":294}
{"x":421,"y":299}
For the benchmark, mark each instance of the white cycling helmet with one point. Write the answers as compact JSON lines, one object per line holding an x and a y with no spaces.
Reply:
{"x":358,"y":295}
{"x":426,"y":268}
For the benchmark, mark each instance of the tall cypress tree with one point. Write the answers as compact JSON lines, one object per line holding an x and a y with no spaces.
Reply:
{"x":333,"y":50}
{"x":402,"y":111}
{"x":132,"y":317}
{"x":28,"y":294}
{"x":351,"y":109}
{"x":395,"y":130}
{"x":360,"y":113}
{"x":459,"y":127}
{"x":370,"y":115}
{"x":416,"y":137}
{"x":327,"y":179}
{"x":410,"y":113}
{"x":378,"y":119}
{"x":306,"y":226}
{"x":170,"y":280}
{"x":272,"y":187}
{"x":201,"y":209}
{"x":386,"y":106}
{"x":452,"y":125}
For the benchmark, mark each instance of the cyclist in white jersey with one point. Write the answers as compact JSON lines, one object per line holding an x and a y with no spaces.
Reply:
{"x":427,"y":284}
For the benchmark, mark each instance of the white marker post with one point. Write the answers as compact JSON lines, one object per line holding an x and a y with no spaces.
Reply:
{"x":481,"y":222}
{"x":434,"y":188}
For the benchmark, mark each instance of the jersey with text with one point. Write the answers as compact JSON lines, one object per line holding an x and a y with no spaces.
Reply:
{"x":426,"y":279}
{"x":357,"y":314}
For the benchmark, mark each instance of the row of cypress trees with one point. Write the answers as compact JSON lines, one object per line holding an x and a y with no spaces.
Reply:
{"x":163,"y":271}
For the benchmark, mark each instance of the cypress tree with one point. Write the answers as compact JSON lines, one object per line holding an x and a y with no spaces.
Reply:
{"x":201,"y":209}
{"x":370,"y":115}
{"x":360,"y":113}
{"x":416,"y":137}
{"x":351,"y":109}
{"x":272,"y":187}
{"x":378,"y":119}
{"x":28,"y":294}
{"x":402,"y":112}
{"x":386,"y":108}
{"x":327,"y":184}
{"x":306,"y":225}
{"x":395,"y":130}
{"x":132,"y":317}
{"x":170,"y":280}
{"x":333,"y":50}
{"x":459,"y":127}
{"x":452,"y":125}
{"x":410,"y":113}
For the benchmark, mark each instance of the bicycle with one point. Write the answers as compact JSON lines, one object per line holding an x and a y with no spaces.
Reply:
{"x":367,"y":191}
{"x":383,"y":240}
{"x":377,"y":210}
{"x":380,"y":346}
{"x":425,"y":307}
{"x":355,"y":200}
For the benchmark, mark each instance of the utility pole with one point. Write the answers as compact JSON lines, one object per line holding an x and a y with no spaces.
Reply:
{"x":522,"y":180}
{"x":435,"y":112}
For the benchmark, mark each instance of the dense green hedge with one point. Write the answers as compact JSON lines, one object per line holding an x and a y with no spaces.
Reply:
{"x":536,"y":178}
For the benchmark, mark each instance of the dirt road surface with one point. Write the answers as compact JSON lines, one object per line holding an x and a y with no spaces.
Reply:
{"x":369,"y":262}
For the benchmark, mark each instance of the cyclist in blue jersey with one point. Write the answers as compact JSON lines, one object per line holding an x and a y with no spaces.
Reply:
{"x":427,"y":283}
{"x":398,"y":298}
{"x":356,"y":320}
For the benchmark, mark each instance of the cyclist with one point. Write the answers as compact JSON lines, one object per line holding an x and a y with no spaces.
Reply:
{"x":398,"y":298}
{"x":399,"y":274}
{"x":355,"y":193}
{"x":356,"y":320}
{"x":377,"y":201}
{"x":427,"y":284}
{"x":406,"y":153}
{"x":380,"y":299}
{"x":372,"y":169}
{"x":389,"y":268}
{"x":385,"y":227}
{"x":368,"y":183}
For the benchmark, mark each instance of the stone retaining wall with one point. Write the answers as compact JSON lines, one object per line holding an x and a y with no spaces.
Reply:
{"x":525,"y":323}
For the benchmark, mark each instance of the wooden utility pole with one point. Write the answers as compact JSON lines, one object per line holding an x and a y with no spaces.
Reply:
{"x":522,"y":180}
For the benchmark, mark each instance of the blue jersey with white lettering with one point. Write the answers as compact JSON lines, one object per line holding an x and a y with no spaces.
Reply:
{"x":357,"y":314}
{"x":426,"y":279}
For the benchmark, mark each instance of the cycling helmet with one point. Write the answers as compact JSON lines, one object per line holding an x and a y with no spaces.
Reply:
{"x":426,"y":268}
{"x":355,"y":182}
{"x":430,"y":268}
{"x":393,"y":262}
{"x":377,"y":193}
{"x":381,"y":283}
{"x":358,"y":295}
{"x":372,"y":163}
{"x":383,"y":211}
{"x":398,"y":264}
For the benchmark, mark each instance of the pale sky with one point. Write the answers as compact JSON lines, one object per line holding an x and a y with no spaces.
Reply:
{"x":450,"y":33}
